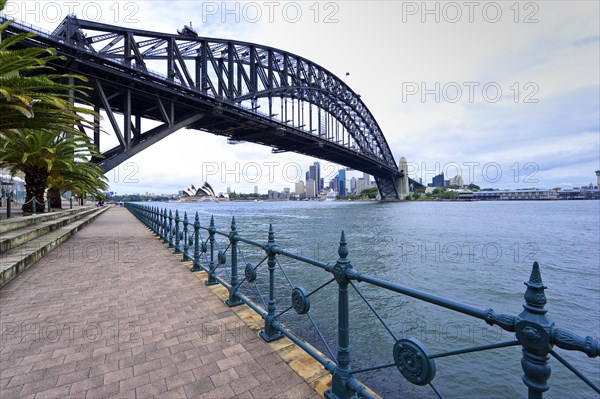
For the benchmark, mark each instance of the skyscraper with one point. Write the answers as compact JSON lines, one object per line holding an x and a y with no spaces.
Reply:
{"x":438,"y":181}
{"x":311,"y":188}
{"x":318,"y":177}
{"x":342,"y":182}
{"x":314,"y":173}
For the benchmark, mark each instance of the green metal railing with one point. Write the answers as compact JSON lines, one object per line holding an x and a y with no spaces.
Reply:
{"x":534,"y":330}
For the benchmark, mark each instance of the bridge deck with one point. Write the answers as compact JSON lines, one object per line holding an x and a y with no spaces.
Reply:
{"x":110,"y":313}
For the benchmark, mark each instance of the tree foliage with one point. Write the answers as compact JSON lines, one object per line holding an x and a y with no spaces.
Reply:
{"x":40,"y":123}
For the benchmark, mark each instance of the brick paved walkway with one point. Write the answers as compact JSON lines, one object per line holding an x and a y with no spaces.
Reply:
{"x":110,"y":313}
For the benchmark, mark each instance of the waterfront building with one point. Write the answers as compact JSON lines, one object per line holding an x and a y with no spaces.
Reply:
{"x":299,"y":189}
{"x":192,"y":193}
{"x":255,"y":189}
{"x":598,"y":178}
{"x":508,"y":195}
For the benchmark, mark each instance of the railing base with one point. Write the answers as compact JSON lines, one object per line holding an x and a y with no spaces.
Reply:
{"x":234,"y":302}
{"x":209,"y":283}
{"x":270,"y":337}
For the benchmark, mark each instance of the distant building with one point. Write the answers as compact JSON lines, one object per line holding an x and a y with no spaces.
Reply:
{"x":193,"y":193}
{"x":438,"y":181}
{"x":299,"y":189}
{"x":342,"y":182}
{"x":598,"y":178}
{"x":507,"y":195}
{"x":353,"y":185}
{"x":255,"y":189}
{"x":457,"y":181}
{"x":311,"y":188}
{"x":334,"y":184}
{"x":228,"y":190}
{"x":363,"y":183}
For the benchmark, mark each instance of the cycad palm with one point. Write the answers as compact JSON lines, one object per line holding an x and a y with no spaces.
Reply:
{"x":40,"y":154}
{"x":30,"y":95}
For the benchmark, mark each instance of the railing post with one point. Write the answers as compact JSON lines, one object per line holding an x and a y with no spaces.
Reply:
{"x":269,"y":333}
{"x":339,"y":388}
{"x":196,"y":260}
{"x":155,"y":225}
{"x":8,"y":205}
{"x":164,"y":225}
{"x":186,"y":246}
{"x":71,"y":202}
{"x":533,"y":330}
{"x":177,"y":220}
{"x":170,"y":229}
{"x":49,"y":206}
{"x":211,"y":266}
{"x":233,"y":239}
{"x":34,"y":206}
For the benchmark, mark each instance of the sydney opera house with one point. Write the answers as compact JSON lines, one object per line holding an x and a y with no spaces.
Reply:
{"x":204,"y":193}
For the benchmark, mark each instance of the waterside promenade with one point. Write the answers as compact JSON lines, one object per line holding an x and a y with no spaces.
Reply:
{"x":112,"y":313}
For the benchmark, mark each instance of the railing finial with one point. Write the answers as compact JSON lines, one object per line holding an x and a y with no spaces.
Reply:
{"x":535,"y":298}
{"x":271,"y":234}
{"x":343,"y":248}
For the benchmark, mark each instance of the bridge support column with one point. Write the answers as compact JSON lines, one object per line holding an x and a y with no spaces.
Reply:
{"x":402,"y":181}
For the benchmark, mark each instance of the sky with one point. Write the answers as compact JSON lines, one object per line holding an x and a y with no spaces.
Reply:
{"x":505,"y":93}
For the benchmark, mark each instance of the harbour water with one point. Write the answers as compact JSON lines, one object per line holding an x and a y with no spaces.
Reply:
{"x":478,"y":253}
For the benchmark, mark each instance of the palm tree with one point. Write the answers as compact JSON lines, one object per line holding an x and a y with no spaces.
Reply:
{"x":84,"y":177}
{"x":30,"y":95}
{"x":40,"y":154}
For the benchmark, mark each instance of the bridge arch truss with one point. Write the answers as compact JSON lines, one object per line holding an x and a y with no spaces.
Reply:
{"x":244,"y":91}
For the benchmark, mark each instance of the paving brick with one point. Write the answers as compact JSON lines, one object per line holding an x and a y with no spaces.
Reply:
{"x":103,"y":392}
{"x":177,"y":393}
{"x":118,"y":375}
{"x":162,"y":373}
{"x":266,"y":390}
{"x":198,"y":388}
{"x":229,"y":362}
{"x":244,"y":384}
{"x":150,"y":390}
{"x":59,"y":392}
{"x":48,"y":363}
{"x":180,"y":379}
{"x":69,"y":378}
{"x":38,"y":386}
{"x":224,"y":377}
{"x":25,"y":378}
{"x":134,"y":382}
{"x":86,"y":384}
{"x":222,"y":392}
{"x":104,"y":368}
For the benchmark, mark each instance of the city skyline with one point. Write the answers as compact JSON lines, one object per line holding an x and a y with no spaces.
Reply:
{"x":434,"y":96}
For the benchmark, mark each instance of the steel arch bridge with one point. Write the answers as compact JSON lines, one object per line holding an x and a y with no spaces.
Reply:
{"x":244,"y":91}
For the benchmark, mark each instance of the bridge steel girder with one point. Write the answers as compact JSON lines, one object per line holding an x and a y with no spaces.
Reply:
{"x":215,"y":85}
